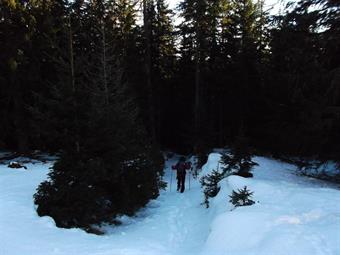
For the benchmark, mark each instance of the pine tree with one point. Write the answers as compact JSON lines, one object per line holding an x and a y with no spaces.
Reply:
{"x":148,"y":18}
{"x":17,"y":27}
{"x":246,"y":23}
{"x":163,"y":61}
{"x":242,"y":197}
{"x":164,"y":42}
{"x":31,"y":35}
{"x":195,"y":42}
{"x":112,"y":168}
{"x":296,"y":65}
{"x":238,"y":161}
{"x":210,"y":185}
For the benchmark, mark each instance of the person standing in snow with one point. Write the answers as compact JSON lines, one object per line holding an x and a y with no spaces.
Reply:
{"x":181,"y":168}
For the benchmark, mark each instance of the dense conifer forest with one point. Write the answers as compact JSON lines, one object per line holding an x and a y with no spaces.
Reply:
{"x":108,"y":84}
{"x":189,"y":82}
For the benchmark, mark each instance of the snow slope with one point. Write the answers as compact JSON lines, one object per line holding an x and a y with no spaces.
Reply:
{"x":172,"y":224}
{"x":294,"y":215}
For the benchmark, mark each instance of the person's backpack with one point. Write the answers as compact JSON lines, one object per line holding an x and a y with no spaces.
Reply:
{"x":187,"y":165}
{"x":181,"y":168}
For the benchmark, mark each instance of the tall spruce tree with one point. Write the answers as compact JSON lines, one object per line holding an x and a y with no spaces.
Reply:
{"x":245,"y":17}
{"x":148,"y":18}
{"x":298,"y":78}
{"x":198,"y":31}
{"x":163,"y":63}
{"x":30,"y":34}
{"x":110,"y":168}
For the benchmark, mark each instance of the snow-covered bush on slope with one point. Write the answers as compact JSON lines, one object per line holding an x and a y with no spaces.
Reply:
{"x":293,"y":215}
{"x":320,"y":169}
{"x":210,"y":185}
{"x":242,"y":197}
{"x":237,"y":161}
{"x":210,"y":176}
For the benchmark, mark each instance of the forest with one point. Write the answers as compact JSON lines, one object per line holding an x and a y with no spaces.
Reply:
{"x":109,"y":84}
{"x":225,"y":66}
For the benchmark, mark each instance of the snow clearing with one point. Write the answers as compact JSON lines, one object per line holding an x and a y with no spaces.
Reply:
{"x":293,"y":215}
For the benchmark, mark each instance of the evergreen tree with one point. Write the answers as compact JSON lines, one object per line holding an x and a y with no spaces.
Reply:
{"x":299,"y":80}
{"x":163,"y":63}
{"x":49,"y":121}
{"x":164,"y":42}
{"x":195,"y":42}
{"x":245,"y":18}
{"x":238,"y":161}
{"x":242,"y":197}
{"x":30,"y":33}
{"x":210,"y":185}
{"x":109,"y":167}
{"x":148,"y":18}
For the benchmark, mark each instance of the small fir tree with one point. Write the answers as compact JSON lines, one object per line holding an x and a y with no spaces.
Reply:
{"x":242,"y":197}
{"x":238,"y":161}
{"x":210,"y":185}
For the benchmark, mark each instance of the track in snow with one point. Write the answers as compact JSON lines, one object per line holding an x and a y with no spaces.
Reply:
{"x":295,"y":216}
{"x":174,"y":223}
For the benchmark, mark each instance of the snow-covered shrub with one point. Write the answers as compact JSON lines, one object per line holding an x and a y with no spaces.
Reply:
{"x":16,"y":165}
{"x":210,"y":186}
{"x":195,"y":170}
{"x":242,"y":197}
{"x":83,"y":191}
{"x":238,"y":160}
{"x":319,"y":169}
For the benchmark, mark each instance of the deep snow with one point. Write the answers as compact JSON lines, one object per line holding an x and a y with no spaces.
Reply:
{"x":293,"y":216}
{"x":172,"y":224}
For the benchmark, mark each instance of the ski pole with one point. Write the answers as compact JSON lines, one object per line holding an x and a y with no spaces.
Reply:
{"x":189,"y":178}
{"x":171,"y":179}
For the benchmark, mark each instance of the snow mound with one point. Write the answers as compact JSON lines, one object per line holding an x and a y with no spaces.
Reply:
{"x":213,"y":163}
{"x":291,"y":216}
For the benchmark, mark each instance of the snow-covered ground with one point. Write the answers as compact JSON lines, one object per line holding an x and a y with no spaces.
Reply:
{"x":293,"y":216}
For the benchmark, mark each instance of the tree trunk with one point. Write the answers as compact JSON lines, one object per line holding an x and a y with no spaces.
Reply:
{"x":73,"y":84}
{"x":197,"y":107}
{"x":106,"y":90}
{"x":148,"y":63}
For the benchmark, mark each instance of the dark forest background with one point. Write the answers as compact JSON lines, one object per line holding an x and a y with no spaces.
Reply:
{"x":226,"y":66}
